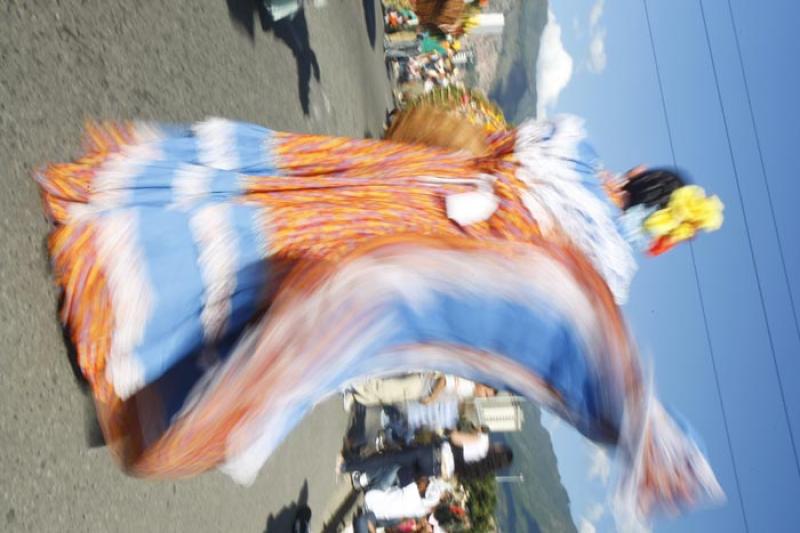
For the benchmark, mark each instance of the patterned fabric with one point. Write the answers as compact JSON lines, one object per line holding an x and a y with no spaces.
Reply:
{"x":567,"y":197}
{"x":221,"y":279}
{"x":206,"y":219}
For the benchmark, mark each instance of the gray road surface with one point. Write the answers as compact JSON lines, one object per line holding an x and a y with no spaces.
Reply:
{"x":65,"y":61}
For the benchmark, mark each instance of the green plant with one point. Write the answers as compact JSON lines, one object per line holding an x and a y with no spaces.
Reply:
{"x":482,"y":503}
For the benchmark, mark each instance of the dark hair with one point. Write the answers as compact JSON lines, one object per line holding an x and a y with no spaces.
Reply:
{"x":652,"y":187}
{"x":450,"y":520}
{"x":499,"y":456}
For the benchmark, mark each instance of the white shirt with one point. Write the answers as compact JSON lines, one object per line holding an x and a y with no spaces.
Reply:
{"x":396,"y":503}
{"x":448,"y":464}
{"x":463,"y":388}
{"x":437,"y":488}
{"x":473,"y":452}
{"x":477,"y":450}
{"x":406,"y":502}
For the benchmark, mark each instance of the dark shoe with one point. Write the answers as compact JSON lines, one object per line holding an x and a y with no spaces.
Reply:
{"x":359,"y":480}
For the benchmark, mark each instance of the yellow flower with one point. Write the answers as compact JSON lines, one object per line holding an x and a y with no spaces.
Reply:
{"x":688,"y":210}
{"x":711,"y":219}
{"x":683,"y":232}
{"x":661,"y":223}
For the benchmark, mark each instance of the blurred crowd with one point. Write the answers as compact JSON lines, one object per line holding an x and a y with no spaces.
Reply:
{"x":413,"y":441}
{"x":422,"y":41}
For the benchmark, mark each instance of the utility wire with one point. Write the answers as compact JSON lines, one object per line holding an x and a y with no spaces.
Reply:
{"x":697,"y":281}
{"x":764,"y":170}
{"x":750,"y":240}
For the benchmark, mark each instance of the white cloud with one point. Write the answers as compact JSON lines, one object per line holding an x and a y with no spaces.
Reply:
{"x":597,"y":51}
{"x":596,"y":13}
{"x":586,"y":527}
{"x":554,"y":67}
{"x":595,"y":512}
{"x":587,"y":522}
{"x":627,"y":523}
{"x":597,"y":43}
{"x":600,"y":467}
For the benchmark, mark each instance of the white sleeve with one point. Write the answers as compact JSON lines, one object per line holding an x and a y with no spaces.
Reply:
{"x":461,"y":387}
{"x":447,"y":461}
{"x":466,"y":388}
{"x":433,"y":494}
{"x":475,"y":451}
{"x":449,"y":383}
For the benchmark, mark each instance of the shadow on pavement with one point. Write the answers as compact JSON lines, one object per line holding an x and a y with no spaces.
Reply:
{"x":284,"y":521}
{"x":242,"y":13}
{"x":72,"y":351}
{"x":91,"y":426}
{"x":293,"y":31}
{"x":341,"y":514}
{"x":92,"y":432}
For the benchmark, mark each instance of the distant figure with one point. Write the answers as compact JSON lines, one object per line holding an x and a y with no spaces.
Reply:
{"x":444,"y":15}
{"x":422,"y":387}
{"x":390,"y":506}
{"x":465,"y":455}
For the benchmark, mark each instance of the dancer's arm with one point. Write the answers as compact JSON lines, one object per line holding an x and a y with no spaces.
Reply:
{"x":436,"y":391}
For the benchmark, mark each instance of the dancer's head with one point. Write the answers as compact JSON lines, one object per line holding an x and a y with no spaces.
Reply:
{"x":651,"y":187}
{"x":677,"y":210}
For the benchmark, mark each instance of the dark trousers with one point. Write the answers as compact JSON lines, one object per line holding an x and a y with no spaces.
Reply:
{"x":385,"y":477}
{"x":411,"y":462}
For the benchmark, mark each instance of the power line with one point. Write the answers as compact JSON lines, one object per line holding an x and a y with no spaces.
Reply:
{"x":697,"y":281}
{"x":750,"y":240}
{"x":764,"y":170}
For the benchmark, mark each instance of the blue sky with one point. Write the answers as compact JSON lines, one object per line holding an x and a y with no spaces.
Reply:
{"x":601,"y":67}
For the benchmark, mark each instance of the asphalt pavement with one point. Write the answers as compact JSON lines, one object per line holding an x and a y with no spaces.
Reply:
{"x":65,"y":61}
